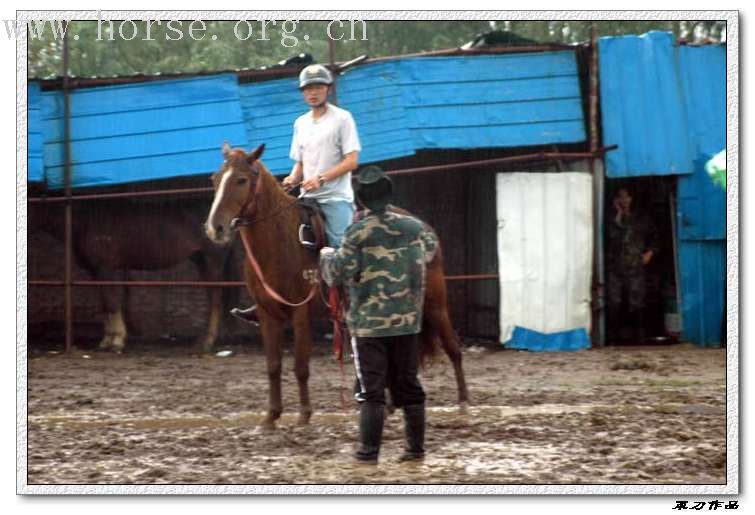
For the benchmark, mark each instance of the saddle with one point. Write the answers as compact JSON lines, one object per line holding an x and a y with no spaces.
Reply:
{"x":311,"y":225}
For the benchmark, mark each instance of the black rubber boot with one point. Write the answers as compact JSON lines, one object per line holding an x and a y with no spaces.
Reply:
{"x":414,"y":428}
{"x":370,"y":432}
{"x":248,"y":315}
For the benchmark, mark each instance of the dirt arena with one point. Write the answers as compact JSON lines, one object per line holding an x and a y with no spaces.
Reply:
{"x":629,"y":415}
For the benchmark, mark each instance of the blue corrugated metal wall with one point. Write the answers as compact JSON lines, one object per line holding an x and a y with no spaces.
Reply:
{"x":493,"y":101}
{"x":270,"y":109}
{"x":642,"y":106}
{"x":143,"y":131}
{"x":370,"y":93}
{"x":164,"y":129}
{"x":702,"y":205}
{"x":665,"y":106}
{"x":35,"y":164}
{"x":374,"y":97}
{"x":444,"y":102}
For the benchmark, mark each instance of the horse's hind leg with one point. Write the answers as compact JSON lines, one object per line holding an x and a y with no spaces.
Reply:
{"x":441,"y":324}
{"x":302,"y":352}
{"x":272,"y":332}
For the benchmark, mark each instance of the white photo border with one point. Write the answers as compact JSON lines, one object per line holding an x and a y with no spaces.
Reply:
{"x":732,"y":260}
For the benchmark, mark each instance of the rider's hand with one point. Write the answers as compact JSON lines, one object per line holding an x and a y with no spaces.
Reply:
{"x":311,"y":184}
{"x":288,"y":182}
{"x":327,"y":250}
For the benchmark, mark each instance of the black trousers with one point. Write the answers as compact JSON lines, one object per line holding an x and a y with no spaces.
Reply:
{"x":390,"y":362}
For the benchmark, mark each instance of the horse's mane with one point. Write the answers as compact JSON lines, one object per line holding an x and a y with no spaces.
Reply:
{"x":271,"y":180}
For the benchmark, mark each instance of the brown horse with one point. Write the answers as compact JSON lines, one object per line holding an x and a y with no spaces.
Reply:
{"x":245,"y":189}
{"x":110,"y":238}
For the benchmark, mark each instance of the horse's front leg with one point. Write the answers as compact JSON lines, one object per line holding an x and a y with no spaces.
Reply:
{"x":302,"y":353}
{"x":210,"y":269}
{"x":272,"y":332}
{"x":215,"y":303}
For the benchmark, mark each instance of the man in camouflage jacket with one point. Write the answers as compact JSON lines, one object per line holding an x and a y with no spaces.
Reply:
{"x":382,"y":261}
{"x":632,"y":244}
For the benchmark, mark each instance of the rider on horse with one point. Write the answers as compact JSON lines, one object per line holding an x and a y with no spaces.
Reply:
{"x":325,"y":148}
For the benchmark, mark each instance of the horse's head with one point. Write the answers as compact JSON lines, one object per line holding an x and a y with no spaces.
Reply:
{"x":235,"y":185}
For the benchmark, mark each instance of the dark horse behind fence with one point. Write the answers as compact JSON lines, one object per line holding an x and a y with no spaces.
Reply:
{"x":245,"y":189}
{"x":111,"y":238}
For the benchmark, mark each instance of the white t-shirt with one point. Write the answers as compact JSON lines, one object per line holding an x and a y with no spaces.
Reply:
{"x":322,"y":144}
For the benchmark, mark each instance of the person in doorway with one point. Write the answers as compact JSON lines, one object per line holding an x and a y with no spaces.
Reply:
{"x":325,"y":149}
{"x":382,"y":260}
{"x":632,"y":244}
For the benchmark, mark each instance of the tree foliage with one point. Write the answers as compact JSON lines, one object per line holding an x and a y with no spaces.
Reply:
{"x":101,"y":51}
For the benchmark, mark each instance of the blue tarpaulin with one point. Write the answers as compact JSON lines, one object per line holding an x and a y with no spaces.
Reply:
{"x":527,"y":339}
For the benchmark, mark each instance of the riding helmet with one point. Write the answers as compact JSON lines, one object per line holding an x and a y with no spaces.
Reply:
{"x":315,"y":74}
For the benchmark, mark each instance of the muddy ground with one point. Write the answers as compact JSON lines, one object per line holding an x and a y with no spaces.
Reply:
{"x":155,"y":415}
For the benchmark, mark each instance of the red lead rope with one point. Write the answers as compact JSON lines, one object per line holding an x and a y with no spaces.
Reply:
{"x":257,"y":270}
{"x":334,"y":301}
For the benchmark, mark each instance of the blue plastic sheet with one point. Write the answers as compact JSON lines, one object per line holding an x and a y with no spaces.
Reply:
{"x":527,"y":339}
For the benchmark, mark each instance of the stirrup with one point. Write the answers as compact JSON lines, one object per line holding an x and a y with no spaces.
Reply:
{"x":306,"y":244}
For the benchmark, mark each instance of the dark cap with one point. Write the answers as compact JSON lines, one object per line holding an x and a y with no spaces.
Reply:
{"x":374,"y":188}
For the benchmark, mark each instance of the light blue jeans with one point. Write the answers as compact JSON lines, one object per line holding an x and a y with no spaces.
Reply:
{"x":338,"y":215}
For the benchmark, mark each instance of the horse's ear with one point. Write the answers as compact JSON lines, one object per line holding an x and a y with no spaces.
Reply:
{"x":256,"y":154}
{"x":226,"y":149}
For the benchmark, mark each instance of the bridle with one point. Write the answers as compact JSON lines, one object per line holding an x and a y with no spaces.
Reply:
{"x":249,"y":207}
{"x":245,"y":219}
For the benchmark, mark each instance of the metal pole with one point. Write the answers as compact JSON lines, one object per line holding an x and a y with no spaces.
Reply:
{"x":598,"y":311}
{"x":68,"y":302}
{"x":333,"y":67}
{"x":541,"y":156}
{"x":206,"y":284}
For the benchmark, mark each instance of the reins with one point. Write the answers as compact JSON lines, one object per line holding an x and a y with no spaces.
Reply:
{"x":334,"y":303}
{"x":247,"y":241}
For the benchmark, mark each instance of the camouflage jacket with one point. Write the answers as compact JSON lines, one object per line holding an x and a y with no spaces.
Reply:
{"x":382,"y":261}
{"x":628,"y":240}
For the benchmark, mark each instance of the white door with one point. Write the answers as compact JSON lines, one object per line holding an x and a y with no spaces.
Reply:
{"x":545,"y":231}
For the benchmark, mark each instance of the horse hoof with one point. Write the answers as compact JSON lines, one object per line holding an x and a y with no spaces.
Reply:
{"x":106,"y":343}
{"x":304,"y":419}
{"x":268,"y":425}
{"x":463,"y":407}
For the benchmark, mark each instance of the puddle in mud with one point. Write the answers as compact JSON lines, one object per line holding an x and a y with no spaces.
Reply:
{"x":90,"y":420}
